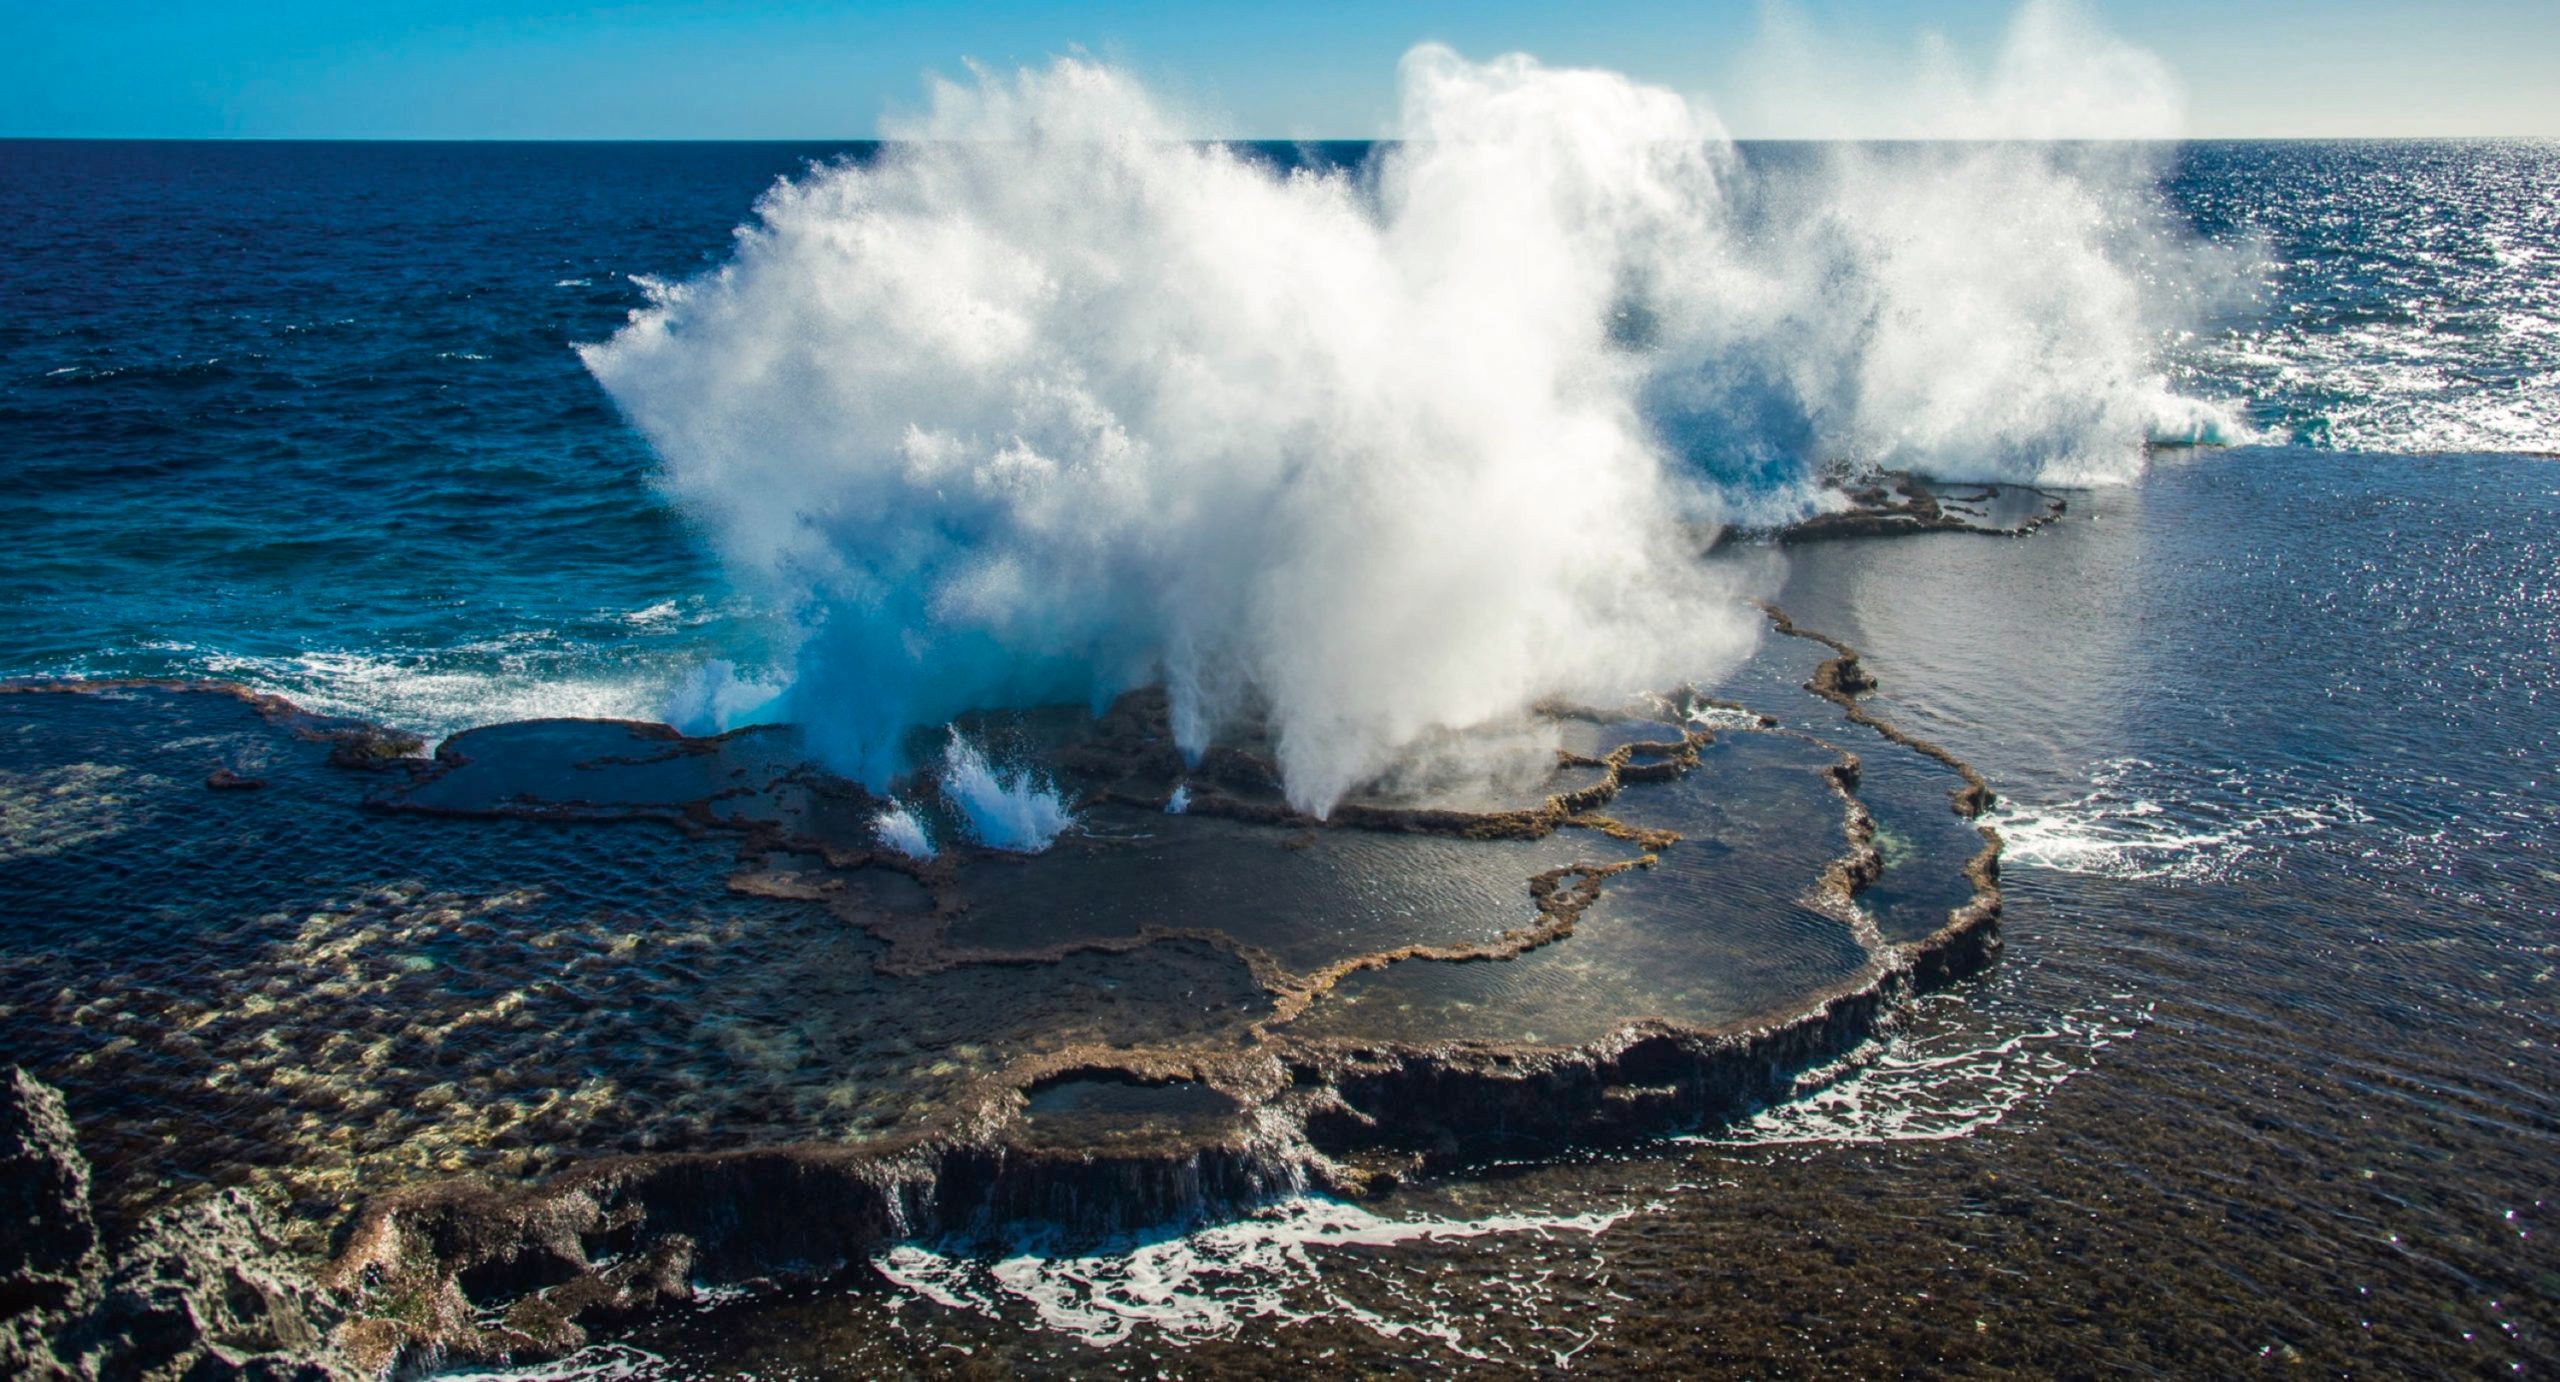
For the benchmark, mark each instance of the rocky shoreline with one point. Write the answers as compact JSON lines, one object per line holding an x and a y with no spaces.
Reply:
{"x":208,"y":1290}
{"x":469,"y":1269}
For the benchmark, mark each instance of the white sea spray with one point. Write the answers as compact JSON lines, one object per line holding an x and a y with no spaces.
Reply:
{"x":899,"y":828}
{"x":1045,"y":402}
{"x":1012,"y":809}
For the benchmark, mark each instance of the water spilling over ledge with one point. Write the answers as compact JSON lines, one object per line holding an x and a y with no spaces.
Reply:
{"x":575,"y":1014}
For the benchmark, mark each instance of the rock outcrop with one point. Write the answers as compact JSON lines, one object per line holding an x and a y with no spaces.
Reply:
{"x":49,"y":1250}
{"x":204,"y":1290}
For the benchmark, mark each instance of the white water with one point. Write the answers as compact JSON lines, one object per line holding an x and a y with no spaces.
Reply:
{"x":1014,"y":809}
{"x":1942,"y":1080}
{"x":2141,"y":819}
{"x":1047,"y":403}
{"x":1207,"y":1284}
{"x":594,"y":1363}
{"x":1011,"y":809}
{"x":438,"y":692}
{"x":900,"y":829}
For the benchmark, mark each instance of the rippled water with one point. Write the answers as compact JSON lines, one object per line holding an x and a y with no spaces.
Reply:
{"x":2413,"y":299}
{"x":303,"y":415}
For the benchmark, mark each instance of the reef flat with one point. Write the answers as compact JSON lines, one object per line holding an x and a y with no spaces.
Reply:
{"x":570,"y":1017}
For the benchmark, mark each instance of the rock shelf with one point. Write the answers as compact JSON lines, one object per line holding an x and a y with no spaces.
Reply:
{"x":550,"y":1027}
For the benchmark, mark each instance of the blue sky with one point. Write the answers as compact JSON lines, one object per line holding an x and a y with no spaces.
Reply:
{"x":776,"y":69}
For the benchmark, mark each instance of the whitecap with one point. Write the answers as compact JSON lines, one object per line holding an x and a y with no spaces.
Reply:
{"x":2144,"y":820}
{"x":435,"y":694}
{"x":1935,"y":1085}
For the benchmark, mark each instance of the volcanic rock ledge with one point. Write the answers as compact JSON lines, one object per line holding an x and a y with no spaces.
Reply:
{"x":1353,"y":1118}
{"x":1895,"y":504}
{"x":468,"y":1269}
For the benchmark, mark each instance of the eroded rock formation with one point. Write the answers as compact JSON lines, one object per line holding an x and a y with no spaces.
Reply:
{"x":205,"y":1290}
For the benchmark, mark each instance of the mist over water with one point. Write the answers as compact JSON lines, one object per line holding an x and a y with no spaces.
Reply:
{"x":1045,"y":402}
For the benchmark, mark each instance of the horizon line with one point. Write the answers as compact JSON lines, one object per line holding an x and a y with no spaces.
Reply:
{"x":6,"y":138}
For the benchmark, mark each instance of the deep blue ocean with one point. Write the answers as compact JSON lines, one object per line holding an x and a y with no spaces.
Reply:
{"x":308,"y":415}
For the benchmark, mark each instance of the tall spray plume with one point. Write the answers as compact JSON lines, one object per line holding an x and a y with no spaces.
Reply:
{"x":1044,"y":402}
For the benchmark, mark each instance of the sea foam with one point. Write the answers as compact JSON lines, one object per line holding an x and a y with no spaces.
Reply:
{"x":1045,"y":402}
{"x":1208,"y":1283}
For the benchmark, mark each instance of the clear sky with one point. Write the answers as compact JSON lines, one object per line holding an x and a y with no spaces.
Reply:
{"x":656,"y":69}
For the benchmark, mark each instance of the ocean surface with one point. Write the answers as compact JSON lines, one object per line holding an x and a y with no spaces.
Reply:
{"x":308,"y":416}
{"x":2268,"y":1073}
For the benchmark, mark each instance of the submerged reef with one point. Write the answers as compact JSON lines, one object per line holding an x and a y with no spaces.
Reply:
{"x":487,"y":1048}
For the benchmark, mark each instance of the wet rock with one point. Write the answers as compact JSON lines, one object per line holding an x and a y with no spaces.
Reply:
{"x":225,"y":780}
{"x":610,"y":1240}
{"x":48,"y":1241}
{"x":205,"y":1290}
{"x":1120,"y":1128}
{"x":369,"y":747}
{"x":1842,"y":679}
{"x":1894,"y":504}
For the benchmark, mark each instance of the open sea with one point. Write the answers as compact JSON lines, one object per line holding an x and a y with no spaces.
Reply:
{"x":2267,"y":1077}
{"x":306,"y":415}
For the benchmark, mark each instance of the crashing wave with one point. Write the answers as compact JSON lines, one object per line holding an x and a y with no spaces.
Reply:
{"x":1045,"y":402}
